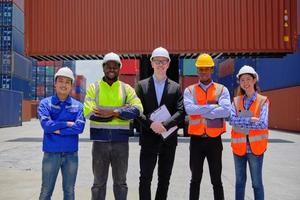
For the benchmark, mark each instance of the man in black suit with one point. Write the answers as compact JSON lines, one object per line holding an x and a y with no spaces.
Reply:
{"x":154,"y":92}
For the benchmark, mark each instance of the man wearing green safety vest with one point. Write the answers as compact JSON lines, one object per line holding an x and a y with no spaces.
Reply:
{"x":110,"y":105}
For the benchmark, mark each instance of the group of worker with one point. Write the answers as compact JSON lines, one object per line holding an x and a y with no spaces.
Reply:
{"x":110,"y":105}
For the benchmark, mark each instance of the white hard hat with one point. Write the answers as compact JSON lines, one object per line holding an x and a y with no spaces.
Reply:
{"x":66,"y":72}
{"x":246,"y":69}
{"x":112,"y":57}
{"x":160,"y":51}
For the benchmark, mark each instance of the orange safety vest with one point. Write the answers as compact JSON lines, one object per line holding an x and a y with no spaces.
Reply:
{"x":258,"y":138}
{"x":199,"y":125}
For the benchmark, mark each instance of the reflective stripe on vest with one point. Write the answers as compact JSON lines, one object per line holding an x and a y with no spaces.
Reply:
{"x":199,"y":125}
{"x":258,"y":139}
{"x":115,"y":123}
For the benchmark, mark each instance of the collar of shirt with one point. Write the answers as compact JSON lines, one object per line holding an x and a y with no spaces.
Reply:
{"x":56,"y":100}
{"x":249,"y":100}
{"x":203,"y":86}
{"x":159,"y":82}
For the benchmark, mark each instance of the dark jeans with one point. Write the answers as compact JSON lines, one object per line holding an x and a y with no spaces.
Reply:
{"x":210,"y":148}
{"x":148,"y":159}
{"x":52,"y":162}
{"x":104,"y":154}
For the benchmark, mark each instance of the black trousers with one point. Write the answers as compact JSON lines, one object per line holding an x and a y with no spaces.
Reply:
{"x":210,"y":148}
{"x":165,"y":155}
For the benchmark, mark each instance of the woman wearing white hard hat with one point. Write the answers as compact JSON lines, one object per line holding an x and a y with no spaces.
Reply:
{"x":249,"y":135}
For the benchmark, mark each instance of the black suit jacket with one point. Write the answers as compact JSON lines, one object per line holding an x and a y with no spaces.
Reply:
{"x":172,"y":98}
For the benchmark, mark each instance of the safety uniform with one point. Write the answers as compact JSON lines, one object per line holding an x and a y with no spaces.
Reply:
{"x":102,"y":95}
{"x":198,"y":125}
{"x":258,"y":138}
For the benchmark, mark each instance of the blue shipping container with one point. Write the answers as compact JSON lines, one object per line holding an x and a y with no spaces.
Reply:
{"x":11,"y":105}
{"x":189,"y":68}
{"x":17,"y":84}
{"x":11,"y":15}
{"x":21,"y":66}
{"x":276,"y":73}
{"x":11,"y":39}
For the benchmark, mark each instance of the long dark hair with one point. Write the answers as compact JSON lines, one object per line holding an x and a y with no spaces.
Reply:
{"x":239,"y":91}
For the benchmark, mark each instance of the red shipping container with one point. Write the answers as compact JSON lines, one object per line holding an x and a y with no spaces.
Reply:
{"x":137,"y":27}
{"x":129,"y":79}
{"x":26,"y":110}
{"x":130,"y":66}
{"x":186,"y":81}
{"x":226,"y":68}
{"x":49,"y":63}
{"x":284,"y":111}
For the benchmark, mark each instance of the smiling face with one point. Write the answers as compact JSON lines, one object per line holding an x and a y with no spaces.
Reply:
{"x":111,"y":70}
{"x":63,"y":86}
{"x":160,"y":66}
{"x":247,"y":83}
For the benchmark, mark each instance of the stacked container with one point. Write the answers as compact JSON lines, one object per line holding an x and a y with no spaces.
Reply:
{"x":15,"y":68}
{"x":43,"y":72}
{"x":188,"y":72}
{"x":129,"y":72}
{"x":79,"y":90}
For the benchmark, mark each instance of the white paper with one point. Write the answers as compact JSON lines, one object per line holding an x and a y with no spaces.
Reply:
{"x":160,"y":115}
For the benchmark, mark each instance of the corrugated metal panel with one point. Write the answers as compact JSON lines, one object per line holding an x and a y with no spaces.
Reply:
{"x":298,"y":16}
{"x":95,"y":27}
{"x":276,"y":73}
{"x":284,"y":108}
{"x":11,"y":15}
{"x":226,"y":68}
{"x":11,"y":105}
{"x":17,"y":84}
{"x":11,"y":39}
{"x":21,"y":66}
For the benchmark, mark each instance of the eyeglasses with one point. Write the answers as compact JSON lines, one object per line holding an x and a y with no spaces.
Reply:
{"x":160,"y":62}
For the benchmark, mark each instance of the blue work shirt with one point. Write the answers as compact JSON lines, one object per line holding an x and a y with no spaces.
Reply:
{"x":54,"y":115}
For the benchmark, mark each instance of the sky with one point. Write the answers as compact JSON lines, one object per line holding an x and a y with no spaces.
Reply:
{"x":91,"y":69}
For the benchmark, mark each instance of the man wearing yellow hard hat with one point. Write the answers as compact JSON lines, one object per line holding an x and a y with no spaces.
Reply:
{"x":207,"y":104}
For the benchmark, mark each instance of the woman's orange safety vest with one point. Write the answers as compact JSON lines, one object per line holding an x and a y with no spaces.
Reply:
{"x":199,"y":125}
{"x":258,"y":138}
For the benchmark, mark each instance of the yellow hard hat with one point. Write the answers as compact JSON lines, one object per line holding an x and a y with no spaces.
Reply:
{"x":204,"y":60}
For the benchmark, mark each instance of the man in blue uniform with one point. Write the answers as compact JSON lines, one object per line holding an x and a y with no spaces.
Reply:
{"x":62,"y":120}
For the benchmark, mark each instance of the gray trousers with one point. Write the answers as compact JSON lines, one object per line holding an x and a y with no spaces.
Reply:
{"x":116,"y":155}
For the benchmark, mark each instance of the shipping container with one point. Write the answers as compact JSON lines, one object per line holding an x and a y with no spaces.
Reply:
{"x":16,"y":64}
{"x":11,"y":39}
{"x":298,"y":17}
{"x":130,"y":66}
{"x":284,"y":110}
{"x":34,"y":106}
{"x":226,"y":68}
{"x":138,"y":26}
{"x":26,"y":110}
{"x":189,"y":68}
{"x":80,"y":81}
{"x":186,"y":81}
{"x":11,"y":15}
{"x":11,"y":105}
{"x":129,"y":79}
{"x":276,"y":73}
{"x":14,"y":83}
